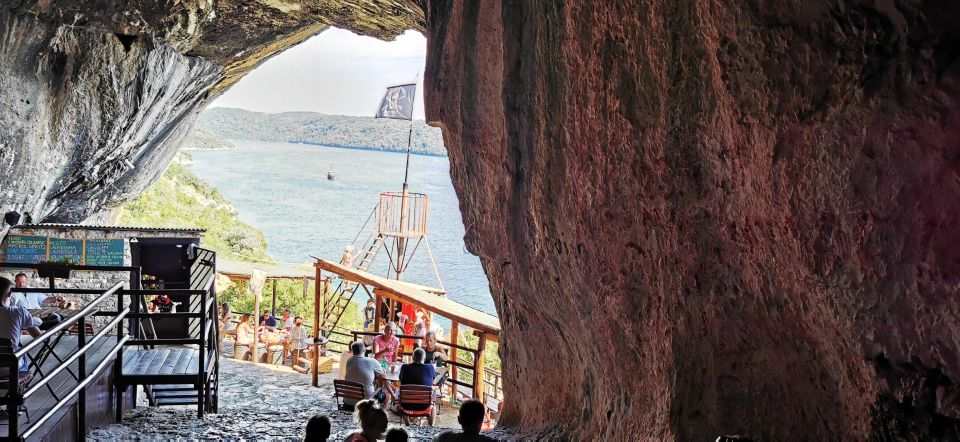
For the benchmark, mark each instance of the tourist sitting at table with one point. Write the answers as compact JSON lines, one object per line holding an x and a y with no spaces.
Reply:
{"x":32,"y":299}
{"x":372,"y":420}
{"x":436,"y":355}
{"x":318,"y":429}
{"x":387,"y":344}
{"x":268,"y":321}
{"x":245,"y":331}
{"x":14,"y":320}
{"x":366,"y":371}
{"x":417,"y":373}
{"x":297,"y":338}
{"x":471,"y":416}
{"x":287,"y":320}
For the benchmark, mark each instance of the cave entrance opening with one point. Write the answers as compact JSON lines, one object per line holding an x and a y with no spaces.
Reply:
{"x":291,"y":123}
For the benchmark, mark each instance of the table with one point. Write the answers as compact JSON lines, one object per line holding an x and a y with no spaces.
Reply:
{"x":49,"y":345}
{"x":393,"y":376}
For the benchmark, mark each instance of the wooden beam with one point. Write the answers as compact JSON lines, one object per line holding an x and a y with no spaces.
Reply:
{"x":478,"y":369}
{"x":376,"y":316}
{"x":273,"y":305}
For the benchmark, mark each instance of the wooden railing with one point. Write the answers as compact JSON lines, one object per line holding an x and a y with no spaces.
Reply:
{"x":401,"y":216}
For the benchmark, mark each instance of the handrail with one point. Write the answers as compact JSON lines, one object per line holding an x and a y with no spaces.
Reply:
{"x":36,"y":425}
{"x":65,"y":364}
{"x":69,"y":322}
{"x":369,"y":217}
{"x":177,"y":292}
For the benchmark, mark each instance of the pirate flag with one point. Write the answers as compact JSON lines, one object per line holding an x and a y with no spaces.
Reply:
{"x":398,"y":102}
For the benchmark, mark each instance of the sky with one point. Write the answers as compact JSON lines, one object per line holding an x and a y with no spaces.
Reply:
{"x":336,"y":73}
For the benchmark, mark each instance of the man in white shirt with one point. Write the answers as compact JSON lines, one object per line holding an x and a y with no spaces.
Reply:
{"x":28,"y":300}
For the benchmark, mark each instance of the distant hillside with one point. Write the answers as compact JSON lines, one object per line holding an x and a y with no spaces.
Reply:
{"x":328,"y":130}
{"x":200,"y":138}
{"x":181,"y":199}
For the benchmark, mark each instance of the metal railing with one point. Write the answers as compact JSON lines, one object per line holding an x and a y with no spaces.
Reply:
{"x":202,"y":331}
{"x":45,"y":345}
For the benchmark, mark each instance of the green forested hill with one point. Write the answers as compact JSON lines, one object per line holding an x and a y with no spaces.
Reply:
{"x":181,"y":199}
{"x":328,"y":130}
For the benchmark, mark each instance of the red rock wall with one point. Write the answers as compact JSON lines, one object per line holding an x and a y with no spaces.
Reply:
{"x":712,"y":217}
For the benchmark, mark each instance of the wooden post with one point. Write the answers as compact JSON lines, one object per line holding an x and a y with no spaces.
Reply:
{"x":256,"y":323}
{"x":376,"y":316}
{"x":315,"y":357}
{"x":273,"y":305}
{"x":454,"y":333}
{"x":478,"y":369}
{"x":306,"y":286}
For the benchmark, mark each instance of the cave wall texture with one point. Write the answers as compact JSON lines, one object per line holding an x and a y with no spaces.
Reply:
{"x":697,"y":217}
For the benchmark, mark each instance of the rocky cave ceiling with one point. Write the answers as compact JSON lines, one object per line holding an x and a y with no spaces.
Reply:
{"x":697,"y":217}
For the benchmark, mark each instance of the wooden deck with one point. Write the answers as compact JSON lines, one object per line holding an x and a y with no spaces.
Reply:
{"x":160,"y":366}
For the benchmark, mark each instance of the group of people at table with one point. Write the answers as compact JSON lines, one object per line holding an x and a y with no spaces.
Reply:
{"x":378,"y":372}
{"x":291,"y":333}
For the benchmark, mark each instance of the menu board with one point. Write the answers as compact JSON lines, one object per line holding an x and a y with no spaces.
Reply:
{"x":26,"y":249}
{"x":104,"y":252}
{"x":66,"y":250}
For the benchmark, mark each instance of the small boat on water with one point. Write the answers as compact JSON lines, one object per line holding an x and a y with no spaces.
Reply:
{"x":331,"y":175}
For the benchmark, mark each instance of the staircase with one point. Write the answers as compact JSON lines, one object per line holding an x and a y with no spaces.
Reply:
{"x":338,"y":302}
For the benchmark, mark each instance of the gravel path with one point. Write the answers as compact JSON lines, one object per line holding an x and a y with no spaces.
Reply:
{"x":256,"y":402}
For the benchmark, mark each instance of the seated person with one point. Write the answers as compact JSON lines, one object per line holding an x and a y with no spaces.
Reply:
{"x":288,"y":321}
{"x":365,"y":371}
{"x":14,"y":320}
{"x":372,"y":421}
{"x":268,"y":321}
{"x":387,"y":344}
{"x":417,"y":373}
{"x":33,"y":299}
{"x":437,"y":355}
{"x":471,"y":416}
{"x":297,"y":337}
{"x":244,"y":331}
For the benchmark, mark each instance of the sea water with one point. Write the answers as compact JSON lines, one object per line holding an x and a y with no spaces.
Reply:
{"x":282,"y":189}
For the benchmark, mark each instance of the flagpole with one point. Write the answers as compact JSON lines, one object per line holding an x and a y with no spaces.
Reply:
{"x":401,"y":242}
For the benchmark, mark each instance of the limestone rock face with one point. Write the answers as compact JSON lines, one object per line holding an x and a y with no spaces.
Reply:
{"x":697,"y":217}
{"x":97,"y":95}
{"x":705,"y":218}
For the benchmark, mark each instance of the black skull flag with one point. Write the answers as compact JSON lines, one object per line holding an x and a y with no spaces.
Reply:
{"x":398,"y":102}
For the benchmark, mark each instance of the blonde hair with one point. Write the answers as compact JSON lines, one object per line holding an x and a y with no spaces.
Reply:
{"x":372,"y":418}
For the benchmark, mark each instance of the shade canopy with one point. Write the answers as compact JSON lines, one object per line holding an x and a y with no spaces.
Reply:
{"x":421,"y":296}
{"x":244,"y":270}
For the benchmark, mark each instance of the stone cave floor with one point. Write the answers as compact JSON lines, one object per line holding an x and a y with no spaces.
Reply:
{"x":258,"y":402}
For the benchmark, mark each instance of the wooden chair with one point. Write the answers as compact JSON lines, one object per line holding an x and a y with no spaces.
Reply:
{"x":347,"y":390}
{"x":416,"y":396}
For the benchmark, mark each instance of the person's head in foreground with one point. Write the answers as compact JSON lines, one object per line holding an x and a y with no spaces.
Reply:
{"x":21,"y":280}
{"x":397,"y":434}
{"x":371,"y":418}
{"x":357,"y":348}
{"x":5,"y":286}
{"x":318,"y":428}
{"x":419,"y":355}
{"x":471,"y":416}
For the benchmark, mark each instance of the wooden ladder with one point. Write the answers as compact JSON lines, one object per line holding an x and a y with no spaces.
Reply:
{"x":344,"y":292}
